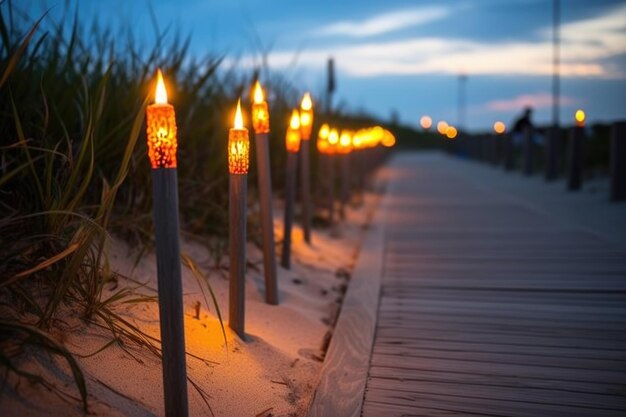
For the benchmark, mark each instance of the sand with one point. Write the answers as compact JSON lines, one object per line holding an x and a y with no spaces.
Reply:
{"x":273,"y":373}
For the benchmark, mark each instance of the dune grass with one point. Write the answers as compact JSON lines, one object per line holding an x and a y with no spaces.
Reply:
{"x":74,"y":171}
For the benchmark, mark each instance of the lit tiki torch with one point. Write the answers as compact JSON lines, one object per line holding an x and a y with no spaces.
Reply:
{"x":327,"y":171}
{"x":238,"y":162}
{"x":306,"y":125}
{"x":261,"y":124}
{"x":162,"y":144}
{"x":292,"y":143}
{"x":344,"y":148}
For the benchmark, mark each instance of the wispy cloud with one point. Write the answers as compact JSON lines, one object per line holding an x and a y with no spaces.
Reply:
{"x":587,"y":48}
{"x":536,"y":101}
{"x":384,"y":23}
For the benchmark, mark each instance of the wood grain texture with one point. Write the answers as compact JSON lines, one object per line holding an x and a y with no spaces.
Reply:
{"x":267,"y":218}
{"x":343,"y":376}
{"x":490,"y":306}
{"x":166,"y":225}
{"x":290,"y":191}
{"x":305,"y":189}
{"x":575,"y":159}
{"x":237,"y":253}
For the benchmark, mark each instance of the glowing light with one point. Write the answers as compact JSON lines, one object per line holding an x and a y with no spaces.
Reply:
{"x":306,"y":116}
{"x":442,"y":127}
{"x":426,"y":122}
{"x":160,"y":95}
{"x":161,"y":129}
{"x":293,"y":136}
{"x":322,"y":139}
{"x":345,"y":142}
{"x":580,"y":117}
{"x":499,"y":127}
{"x":259,"y":97}
{"x":333,"y":137}
{"x":324,"y":131}
{"x":388,"y":139}
{"x":451,"y":132}
{"x":260,"y":112}
{"x":238,"y":145}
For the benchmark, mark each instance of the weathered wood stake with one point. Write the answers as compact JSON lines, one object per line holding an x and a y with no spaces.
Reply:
{"x":290,"y":185}
{"x":527,"y":151}
{"x":267,"y":218}
{"x":575,"y":159}
{"x":305,"y":189}
{"x":618,"y":161}
{"x":237,"y":252}
{"x":165,"y":209}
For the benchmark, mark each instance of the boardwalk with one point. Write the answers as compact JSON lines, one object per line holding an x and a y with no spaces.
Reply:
{"x":493,"y":304}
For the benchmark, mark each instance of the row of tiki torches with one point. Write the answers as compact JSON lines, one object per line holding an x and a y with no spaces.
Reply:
{"x":161,"y":136}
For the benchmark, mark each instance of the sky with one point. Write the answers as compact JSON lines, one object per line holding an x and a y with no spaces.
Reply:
{"x":407,"y":56}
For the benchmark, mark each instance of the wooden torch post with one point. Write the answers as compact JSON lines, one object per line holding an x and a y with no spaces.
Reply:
{"x":527,"y":151}
{"x":575,"y":153}
{"x":162,"y":146}
{"x":306,"y":124}
{"x":618,"y":161}
{"x":323,"y":148}
{"x":345,"y":143}
{"x":238,"y":163}
{"x":261,"y":123}
{"x":292,"y":143}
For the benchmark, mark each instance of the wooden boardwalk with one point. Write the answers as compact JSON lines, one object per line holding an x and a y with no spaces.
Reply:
{"x":491,"y":306}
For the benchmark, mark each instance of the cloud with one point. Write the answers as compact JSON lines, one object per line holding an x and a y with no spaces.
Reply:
{"x":384,"y":23}
{"x":587,"y":47}
{"x":536,"y":101}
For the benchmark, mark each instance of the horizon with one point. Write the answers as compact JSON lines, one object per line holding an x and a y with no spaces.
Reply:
{"x":405,"y":58}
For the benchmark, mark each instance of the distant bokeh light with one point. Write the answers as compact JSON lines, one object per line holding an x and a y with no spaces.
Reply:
{"x":426,"y":122}
{"x":442,"y":127}
{"x":580,"y":117}
{"x":499,"y":127}
{"x":451,"y":132}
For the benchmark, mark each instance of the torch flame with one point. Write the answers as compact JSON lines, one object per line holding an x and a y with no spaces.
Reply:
{"x":259,"y":97}
{"x":306,"y":103}
{"x":238,"y":116}
{"x":580,"y":117}
{"x":160,"y":95}
{"x":295,"y":120}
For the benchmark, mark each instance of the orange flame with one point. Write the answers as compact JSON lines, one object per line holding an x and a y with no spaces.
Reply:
{"x":238,"y":145}
{"x":160,"y":95}
{"x":260,"y":112}
{"x":161,"y":129}
{"x":306,"y":116}
{"x":293,"y":137}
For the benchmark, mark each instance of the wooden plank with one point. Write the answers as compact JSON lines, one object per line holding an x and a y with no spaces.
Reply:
{"x":344,"y":373}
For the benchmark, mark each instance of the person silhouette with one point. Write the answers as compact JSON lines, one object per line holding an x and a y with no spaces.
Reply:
{"x":523,"y":122}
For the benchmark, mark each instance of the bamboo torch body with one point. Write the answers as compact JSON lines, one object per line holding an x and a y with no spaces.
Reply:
{"x":261,"y":123}
{"x":238,"y":163}
{"x":292,"y":143}
{"x":306,"y":124}
{"x":162,"y":147}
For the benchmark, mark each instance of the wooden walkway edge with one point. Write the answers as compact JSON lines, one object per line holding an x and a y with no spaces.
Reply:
{"x":344,"y":373}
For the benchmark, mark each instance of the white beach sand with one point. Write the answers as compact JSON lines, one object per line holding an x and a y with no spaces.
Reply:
{"x":274,"y":373}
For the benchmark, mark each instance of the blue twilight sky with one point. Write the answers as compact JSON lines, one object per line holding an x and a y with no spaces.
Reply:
{"x":407,"y":55}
